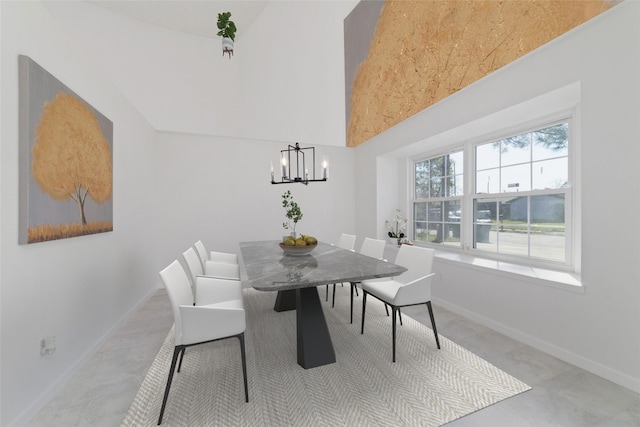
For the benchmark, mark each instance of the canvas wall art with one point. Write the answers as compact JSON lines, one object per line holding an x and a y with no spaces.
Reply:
{"x":66,"y":160}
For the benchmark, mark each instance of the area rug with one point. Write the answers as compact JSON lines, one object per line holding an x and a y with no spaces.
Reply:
{"x":425,"y":387}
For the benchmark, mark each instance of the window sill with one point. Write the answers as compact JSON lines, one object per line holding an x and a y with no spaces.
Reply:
{"x":555,"y":279}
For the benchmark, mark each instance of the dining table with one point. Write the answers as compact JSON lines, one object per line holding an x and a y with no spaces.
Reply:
{"x":295,"y":278}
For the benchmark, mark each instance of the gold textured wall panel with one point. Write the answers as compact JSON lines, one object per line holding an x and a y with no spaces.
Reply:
{"x":424,"y":51}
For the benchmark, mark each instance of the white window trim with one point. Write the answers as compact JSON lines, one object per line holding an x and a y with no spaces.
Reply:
{"x":564,"y":280}
{"x":562,"y":116}
{"x":412,"y":193}
{"x":558,"y":275}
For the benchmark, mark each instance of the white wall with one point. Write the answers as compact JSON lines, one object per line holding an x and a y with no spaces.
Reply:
{"x":285,"y":81}
{"x":178,"y":81}
{"x":292,"y":82}
{"x":218,"y":190}
{"x":599,"y":329}
{"x":75,"y":289}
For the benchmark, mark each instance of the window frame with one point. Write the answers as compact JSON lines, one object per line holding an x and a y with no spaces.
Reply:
{"x":437,"y":199}
{"x":570,"y":193}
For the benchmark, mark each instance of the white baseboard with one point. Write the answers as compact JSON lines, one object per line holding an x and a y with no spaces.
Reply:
{"x":44,"y":398}
{"x":582,"y":362}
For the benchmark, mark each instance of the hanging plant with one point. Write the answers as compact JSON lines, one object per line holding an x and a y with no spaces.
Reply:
{"x":227,"y":31}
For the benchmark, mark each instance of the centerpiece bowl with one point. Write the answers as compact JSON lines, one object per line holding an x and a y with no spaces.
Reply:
{"x":297,"y":250}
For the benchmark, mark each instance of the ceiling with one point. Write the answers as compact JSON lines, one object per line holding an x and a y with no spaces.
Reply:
{"x":188,"y":16}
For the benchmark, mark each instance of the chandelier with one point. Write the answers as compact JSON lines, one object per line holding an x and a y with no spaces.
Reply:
{"x":303,"y":174}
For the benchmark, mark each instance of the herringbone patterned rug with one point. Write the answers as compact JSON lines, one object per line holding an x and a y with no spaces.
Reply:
{"x":425,"y":387}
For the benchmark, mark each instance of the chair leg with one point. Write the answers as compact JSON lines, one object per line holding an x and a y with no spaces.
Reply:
{"x":177,"y":350}
{"x":353,"y":286}
{"x":326,"y":297}
{"x":244,"y":366}
{"x":333,"y":302}
{"x":386,"y":308}
{"x":364,"y":305}
{"x":400,"y":316}
{"x":433,"y":323}
{"x":181,"y":357}
{"x":393,"y":326}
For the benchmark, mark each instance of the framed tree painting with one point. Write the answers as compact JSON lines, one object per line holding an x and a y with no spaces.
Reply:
{"x":66,"y":157}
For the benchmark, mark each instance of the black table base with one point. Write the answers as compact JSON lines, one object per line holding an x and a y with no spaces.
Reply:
{"x":314,"y":341}
{"x":285,"y":301}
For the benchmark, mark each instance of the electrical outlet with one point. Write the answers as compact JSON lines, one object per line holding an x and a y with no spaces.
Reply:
{"x":47,"y":346}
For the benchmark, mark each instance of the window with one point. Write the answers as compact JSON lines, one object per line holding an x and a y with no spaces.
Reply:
{"x":517,"y":201}
{"x":438,"y":195}
{"x":526,"y":177}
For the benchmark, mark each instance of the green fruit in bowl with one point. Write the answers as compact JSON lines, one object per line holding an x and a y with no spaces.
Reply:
{"x":300,"y":242}
{"x":310,"y":240}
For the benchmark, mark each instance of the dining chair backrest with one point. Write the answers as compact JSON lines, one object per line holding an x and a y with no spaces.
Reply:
{"x":176,"y":282}
{"x":202,"y":252}
{"x":417,"y":260}
{"x":347,"y":241}
{"x":193,"y":263}
{"x":214,"y":255}
{"x":373,"y":248}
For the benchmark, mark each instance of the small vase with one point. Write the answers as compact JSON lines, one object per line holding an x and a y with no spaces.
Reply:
{"x":399,"y":242}
{"x":227,"y":46}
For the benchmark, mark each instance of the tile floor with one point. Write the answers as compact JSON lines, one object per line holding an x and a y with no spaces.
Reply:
{"x":562,"y":395}
{"x":100,"y":393}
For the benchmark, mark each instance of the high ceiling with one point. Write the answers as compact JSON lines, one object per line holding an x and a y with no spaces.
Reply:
{"x":165,"y":57}
{"x":189,"y":16}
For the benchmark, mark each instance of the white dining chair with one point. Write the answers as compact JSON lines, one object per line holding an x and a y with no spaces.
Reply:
{"x":413,"y":287}
{"x":373,"y":248}
{"x":214,"y":255}
{"x":346,"y":241}
{"x":218,"y":313}
{"x":222,"y":270}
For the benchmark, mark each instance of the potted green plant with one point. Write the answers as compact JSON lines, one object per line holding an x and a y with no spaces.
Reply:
{"x":227,"y":31}
{"x":296,"y":245}
{"x":293,"y":212}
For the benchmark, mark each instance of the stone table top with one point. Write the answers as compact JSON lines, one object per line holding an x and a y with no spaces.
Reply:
{"x":269,"y":269}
